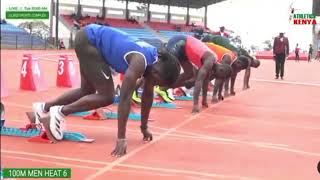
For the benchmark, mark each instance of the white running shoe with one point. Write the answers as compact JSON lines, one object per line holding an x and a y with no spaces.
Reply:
{"x":38,"y":110}
{"x":57,"y":122}
{"x":170,"y":94}
{"x":187,"y":92}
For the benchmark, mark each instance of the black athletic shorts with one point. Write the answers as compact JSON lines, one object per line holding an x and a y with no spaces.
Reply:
{"x":93,"y":68}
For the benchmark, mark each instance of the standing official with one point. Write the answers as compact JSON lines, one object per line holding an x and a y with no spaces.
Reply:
{"x":280,"y":53}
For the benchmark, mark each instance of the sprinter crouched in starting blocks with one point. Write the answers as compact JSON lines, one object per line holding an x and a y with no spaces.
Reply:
{"x":198,"y":63}
{"x":98,"y":49}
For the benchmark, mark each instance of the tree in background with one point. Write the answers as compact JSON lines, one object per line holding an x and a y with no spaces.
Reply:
{"x":36,"y":28}
{"x":268,"y":44}
{"x":236,"y":40}
{"x":254,"y":48}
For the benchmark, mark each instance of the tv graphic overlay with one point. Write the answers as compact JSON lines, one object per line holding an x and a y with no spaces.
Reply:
{"x":37,"y":173}
{"x":304,"y":19}
{"x":27,"y":12}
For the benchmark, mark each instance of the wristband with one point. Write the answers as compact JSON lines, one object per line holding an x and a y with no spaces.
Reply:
{"x":122,"y":140}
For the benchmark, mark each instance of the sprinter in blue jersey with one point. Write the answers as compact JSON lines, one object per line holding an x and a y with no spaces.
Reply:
{"x":100,"y":48}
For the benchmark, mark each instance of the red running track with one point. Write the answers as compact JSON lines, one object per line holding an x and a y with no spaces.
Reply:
{"x":268,"y":132}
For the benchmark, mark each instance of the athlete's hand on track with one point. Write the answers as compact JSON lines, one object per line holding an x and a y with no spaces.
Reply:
{"x":232,"y":93}
{"x":205,"y":104}
{"x":147,"y":136}
{"x":195,"y":109}
{"x":214,"y":100}
{"x":245,"y":87}
{"x":121,"y":148}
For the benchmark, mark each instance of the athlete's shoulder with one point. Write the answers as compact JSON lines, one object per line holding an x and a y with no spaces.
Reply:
{"x":104,"y":28}
{"x":212,"y":45}
{"x":143,"y":44}
{"x":210,"y":35}
{"x":93,"y":26}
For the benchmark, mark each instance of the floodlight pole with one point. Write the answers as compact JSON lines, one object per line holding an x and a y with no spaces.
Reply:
{"x":206,"y":16}
{"x":127,"y":9}
{"x":51,"y":19}
{"x":169,"y":14}
{"x":315,"y":33}
{"x":148,"y":12}
{"x":103,"y":9}
{"x":57,"y":24}
{"x":188,"y":15}
{"x":79,"y":14}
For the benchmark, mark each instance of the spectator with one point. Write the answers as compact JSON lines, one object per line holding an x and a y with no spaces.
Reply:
{"x":310,"y":53}
{"x":3,"y":21}
{"x":133,"y":20}
{"x":280,"y":53}
{"x":61,"y":45}
{"x":198,"y":32}
{"x":297,"y":53}
{"x":318,"y":55}
{"x":222,"y":32}
{"x":76,"y":24}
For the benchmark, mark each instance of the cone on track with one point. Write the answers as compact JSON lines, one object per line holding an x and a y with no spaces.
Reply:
{"x":4,"y":90}
{"x":31,"y":76}
{"x":66,"y":73}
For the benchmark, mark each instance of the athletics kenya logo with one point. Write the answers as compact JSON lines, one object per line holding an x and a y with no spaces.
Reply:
{"x":304,"y":19}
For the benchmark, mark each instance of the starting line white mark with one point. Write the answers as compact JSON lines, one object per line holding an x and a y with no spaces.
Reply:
{"x":51,"y":162}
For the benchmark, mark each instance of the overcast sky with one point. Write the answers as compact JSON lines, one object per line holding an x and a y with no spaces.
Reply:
{"x":259,"y":20}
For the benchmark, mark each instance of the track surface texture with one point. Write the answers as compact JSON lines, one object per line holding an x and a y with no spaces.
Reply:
{"x":270,"y":131}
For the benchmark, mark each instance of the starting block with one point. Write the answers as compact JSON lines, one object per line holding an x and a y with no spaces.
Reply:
{"x":155,"y":104}
{"x":184,"y":98}
{"x":36,"y":135}
{"x":164,"y":105}
{"x":108,"y":115}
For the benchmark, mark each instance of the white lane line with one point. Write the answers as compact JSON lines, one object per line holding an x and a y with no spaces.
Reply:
{"x":165,"y":134}
{"x":51,"y":162}
{"x":84,"y":167}
{"x":286,"y":82}
{"x":17,"y":105}
{"x":258,"y":120}
{"x":166,"y":170}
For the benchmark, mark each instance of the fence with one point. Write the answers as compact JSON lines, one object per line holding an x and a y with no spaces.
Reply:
{"x":25,"y":41}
